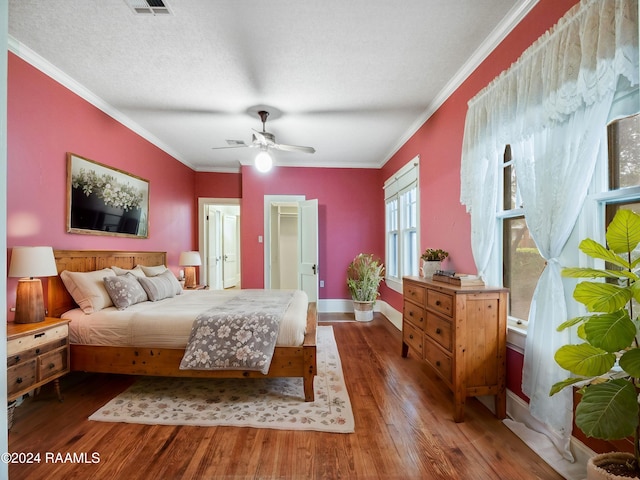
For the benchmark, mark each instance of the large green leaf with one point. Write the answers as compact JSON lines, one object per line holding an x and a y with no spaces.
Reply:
{"x":602,"y":297}
{"x":572,"y":321}
{"x":556,"y":387}
{"x":611,"y":332}
{"x":623,"y":233}
{"x":608,"y":410}
{"x":630,"y":362}
{"x":595,"y":250}
{"x":579,"y":272}
{"x":585,"y":360}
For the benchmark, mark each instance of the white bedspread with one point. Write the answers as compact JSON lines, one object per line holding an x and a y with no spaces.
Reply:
{"x":167,"y":323}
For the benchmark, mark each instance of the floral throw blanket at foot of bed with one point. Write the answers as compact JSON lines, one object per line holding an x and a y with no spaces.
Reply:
{"x":241,"y":334}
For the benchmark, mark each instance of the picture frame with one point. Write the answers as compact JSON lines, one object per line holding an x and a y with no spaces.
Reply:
{"x":102,"y":200}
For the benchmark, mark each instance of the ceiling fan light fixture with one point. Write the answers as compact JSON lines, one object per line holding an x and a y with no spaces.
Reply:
{"x":263,"y":161}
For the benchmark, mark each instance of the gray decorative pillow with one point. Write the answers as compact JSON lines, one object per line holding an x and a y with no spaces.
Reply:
{"x":125,"y":290}
{"x":159,"y":287}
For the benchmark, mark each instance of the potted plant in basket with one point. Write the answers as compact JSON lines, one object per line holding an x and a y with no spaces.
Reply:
{"x":432,"y":261}
{"x":607,"y":363}
{"x":364,"y":275}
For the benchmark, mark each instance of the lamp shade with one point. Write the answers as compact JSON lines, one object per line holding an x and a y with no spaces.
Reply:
{"x":32,"y":262}
{"x":189,"y":259}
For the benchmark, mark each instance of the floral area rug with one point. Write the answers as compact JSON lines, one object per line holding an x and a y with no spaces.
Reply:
{"x":260,"y":402}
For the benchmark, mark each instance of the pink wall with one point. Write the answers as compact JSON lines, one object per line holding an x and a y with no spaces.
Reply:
{"x":443,"y":220}
{"x":218,"y":185}
{"x":350,"y":218}
{"x":45,"y":121}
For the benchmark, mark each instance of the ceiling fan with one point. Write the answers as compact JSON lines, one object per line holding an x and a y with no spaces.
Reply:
{"x":265,"y":140}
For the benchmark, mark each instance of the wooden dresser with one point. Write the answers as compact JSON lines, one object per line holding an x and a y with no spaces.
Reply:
{"x":461,"y":332}
{"x":37,"y":353}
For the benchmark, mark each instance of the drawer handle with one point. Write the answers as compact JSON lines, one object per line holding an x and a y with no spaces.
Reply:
{"x":438,"y":363}
{"x":438,"y":331}
{"x":19,"y":380}
{"x":411,"y":314}
{"x":17,"y":358}
{"x":52,"y":365}
{"x":437,"y":303}
{"x":37,"y":350}
{"x":411,"y":337}
{"x":38,"y":335}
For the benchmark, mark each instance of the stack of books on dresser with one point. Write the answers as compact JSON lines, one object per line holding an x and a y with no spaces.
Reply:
{"x":459,"y":279}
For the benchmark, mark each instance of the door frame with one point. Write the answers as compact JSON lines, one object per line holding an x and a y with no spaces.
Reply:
{"x":203,"y":203}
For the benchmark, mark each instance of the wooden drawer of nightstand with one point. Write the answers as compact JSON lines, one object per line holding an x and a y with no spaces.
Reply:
{"x":21,"y":377}
{"x":414,"y":314}
{"x":53,"y":363}
{"x":35,"y":351}
{"x":35,"y":340}
{"x":414,"y":293}
{"x":439,"y":329}
{"x":412,"y":337}
{"x":440,"y":302}
{"x":438,"y":359}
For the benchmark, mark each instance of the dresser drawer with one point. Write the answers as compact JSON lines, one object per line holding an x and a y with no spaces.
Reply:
{"x":35,"y":340}
{"x":415,"y":293}
{"x":412,"y":337}
{"x":440,"y":302}
{"x":439,"y":329}
{"x":414,"y":314}
{"x":21,"y":377}
{"x":438,"y":359}
{"x":35,"y":351}
{"x":53,"y":363}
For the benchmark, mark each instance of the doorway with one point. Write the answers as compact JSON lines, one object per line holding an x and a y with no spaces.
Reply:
{"x":291,"y":244}
{"x":220,"y":243}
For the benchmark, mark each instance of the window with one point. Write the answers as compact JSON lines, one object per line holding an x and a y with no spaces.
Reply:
{"x":402,"y":224}
{"x":522,"y":263}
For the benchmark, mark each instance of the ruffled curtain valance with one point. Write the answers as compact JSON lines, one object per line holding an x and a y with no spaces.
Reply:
{"x":574,"y":64}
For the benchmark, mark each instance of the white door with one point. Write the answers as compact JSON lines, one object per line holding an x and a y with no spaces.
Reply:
{"x":308,"y":247}
{"x":230,"y":270}
{"x":214,"y":250}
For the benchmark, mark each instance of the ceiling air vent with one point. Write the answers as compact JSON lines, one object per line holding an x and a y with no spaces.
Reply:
{"x":149,"y":7}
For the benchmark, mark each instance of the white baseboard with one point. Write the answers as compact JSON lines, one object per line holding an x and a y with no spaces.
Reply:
{"x":536,"y":436}
{"x":345,"y":306}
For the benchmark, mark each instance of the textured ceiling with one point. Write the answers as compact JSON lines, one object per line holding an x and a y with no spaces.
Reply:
{"x":353,"y":79}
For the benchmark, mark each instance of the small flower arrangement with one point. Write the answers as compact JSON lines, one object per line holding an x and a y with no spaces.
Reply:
{"x":106,"y":187}
{"x":434,"y":255}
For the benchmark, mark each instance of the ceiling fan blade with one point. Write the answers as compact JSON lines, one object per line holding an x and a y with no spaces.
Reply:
{"x":230,"y":146}
{"x":293,"y":148}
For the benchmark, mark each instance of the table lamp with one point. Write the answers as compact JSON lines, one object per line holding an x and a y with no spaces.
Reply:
{"x":27,"y":263}
{"x":190,"y":260}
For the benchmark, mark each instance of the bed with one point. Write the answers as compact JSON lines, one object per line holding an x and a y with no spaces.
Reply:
{"x":146,"y":359}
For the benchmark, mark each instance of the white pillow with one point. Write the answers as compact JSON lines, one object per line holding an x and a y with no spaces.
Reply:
{"x":87,"y":289}
{"x":152,"y":271}
{"x":137,"y":271}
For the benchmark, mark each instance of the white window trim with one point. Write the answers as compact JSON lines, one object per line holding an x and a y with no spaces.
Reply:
{"x":396,"y":185}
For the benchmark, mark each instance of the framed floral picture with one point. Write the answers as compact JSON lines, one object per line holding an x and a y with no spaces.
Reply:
{"x":102,"y":200}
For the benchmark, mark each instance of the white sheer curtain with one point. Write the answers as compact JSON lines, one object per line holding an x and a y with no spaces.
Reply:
{"x":552,"y":107}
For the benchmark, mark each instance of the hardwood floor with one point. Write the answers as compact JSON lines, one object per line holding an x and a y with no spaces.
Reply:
{"x":403,"y":417}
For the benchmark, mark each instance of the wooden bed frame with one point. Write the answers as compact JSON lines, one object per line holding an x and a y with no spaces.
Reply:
{"x":287,"y":361}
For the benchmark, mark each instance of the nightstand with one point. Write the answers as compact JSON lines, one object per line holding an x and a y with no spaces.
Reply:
{"x":37,"y":353}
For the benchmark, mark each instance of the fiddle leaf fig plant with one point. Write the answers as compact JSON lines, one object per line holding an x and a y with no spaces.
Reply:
{"x":606,"y":364}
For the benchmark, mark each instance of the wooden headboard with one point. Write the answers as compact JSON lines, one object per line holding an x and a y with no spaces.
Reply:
{"x":59,"y":300}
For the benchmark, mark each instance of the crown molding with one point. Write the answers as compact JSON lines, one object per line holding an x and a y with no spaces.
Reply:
{"x":511,"y":20}
{"x":31,"y":57}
